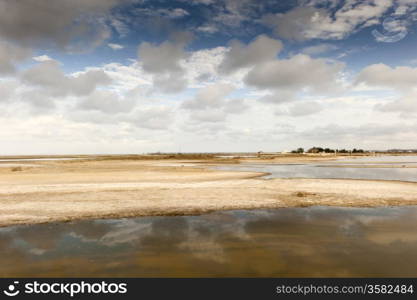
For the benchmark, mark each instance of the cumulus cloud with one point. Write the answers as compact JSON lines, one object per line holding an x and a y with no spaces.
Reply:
{"x":7,"y":89}
{"x":10,"y":55}
{"x":41,"y":58}
{"x":165,"y":57}
{"x":309,"y":22}
{"x":261,"y":49}
{"x":209,"y":97}
{"x":405,"y":105}
{"x":299,"y":72}
{"x":39,"y":101}
{"x":277,"y":97}
{"x":211,"y":104}
{"x":173,"y":13}
{"x":381,"y":75}
{"x":370,"y":134}
{"x":164,"y":62}
{"x":400,"y":79}
{"x":156,"y":117}
{"x":301,"y":109}
{"x":107,"y":102}
{"x":49,"y":76}
{"x":115,"y":46}
{"x":70,"y":24}
{"x":209,"y":116}
{"x":147,"y":117}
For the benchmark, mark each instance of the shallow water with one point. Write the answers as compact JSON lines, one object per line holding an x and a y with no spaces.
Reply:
{"x":389,"y":168}
{"x":37,"y":159}
{"x":315,"y":241}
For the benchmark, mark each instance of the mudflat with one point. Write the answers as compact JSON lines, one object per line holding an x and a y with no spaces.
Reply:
{"x":48,"y":191}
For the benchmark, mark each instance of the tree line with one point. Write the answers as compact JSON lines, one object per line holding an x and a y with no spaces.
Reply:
{"x":327,"y":150}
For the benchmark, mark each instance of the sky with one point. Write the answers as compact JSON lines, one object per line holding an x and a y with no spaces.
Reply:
{"x":140,"y":76}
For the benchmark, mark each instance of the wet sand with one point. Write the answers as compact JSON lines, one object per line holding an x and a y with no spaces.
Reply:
{"x":111,"y":188}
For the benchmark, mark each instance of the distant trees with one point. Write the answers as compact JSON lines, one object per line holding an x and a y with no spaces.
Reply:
{"x":299,"y":150}
{"x":327,"y":150}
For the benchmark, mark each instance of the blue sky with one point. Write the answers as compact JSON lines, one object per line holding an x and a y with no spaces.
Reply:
{"x":136,"y":76}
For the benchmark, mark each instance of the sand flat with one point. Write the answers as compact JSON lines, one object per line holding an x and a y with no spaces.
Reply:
{"x":62,"y":191}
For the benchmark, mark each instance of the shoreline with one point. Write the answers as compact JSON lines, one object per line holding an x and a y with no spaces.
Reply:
{"x":62,"y":191}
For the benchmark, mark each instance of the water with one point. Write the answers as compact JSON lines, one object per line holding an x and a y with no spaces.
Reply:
{"x":37,"y":159}
{"x":21,"y":162}
{"x":290,"y":242}
{"x":402,"y":168}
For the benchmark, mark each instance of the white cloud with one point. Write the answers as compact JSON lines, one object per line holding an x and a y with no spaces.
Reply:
{"x":106,"y":102}
{"x":163,"y":58}
{"x":211,"y":103}
{"x":7,"y":89}
{"x":400,"y":79}
{"x":277,"y":97}
{"x":304,"y":109}
{"x":261,"y":49}
{"x":41,"y":58}
{"x":49,"y":76}
{"x":164,"y":62}
{"x":115,"y":46}
{"x":309,"y":22}
{"x":319,"y":49}
{"x":297,"y":73}
{"x":157,"y":117}
{"x":381,"y":75}
{"x":10,"y":55}
{"x":209,"y":97}
{"x":72,"y":25}
{"x":173,"y":13}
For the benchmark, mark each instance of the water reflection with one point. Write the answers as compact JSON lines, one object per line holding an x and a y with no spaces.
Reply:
{"x":388,"y":168}
{"x":314,"y":241}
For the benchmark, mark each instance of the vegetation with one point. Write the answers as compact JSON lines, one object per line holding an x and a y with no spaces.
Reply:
{"x":327,"y":150}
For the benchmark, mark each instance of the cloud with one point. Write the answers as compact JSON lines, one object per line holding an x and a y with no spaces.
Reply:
{"x":406,"y":105}
{"x":164,"y":62}
{"x":309,"y":22}
{"x":107,"y":102}
{"x":173,"y":13}
{"x":400,"y":79}
{"x":370,"y":134}
{"x":7,"y":89}
{"x":209,"y":97}
{"x":115,"y":46}
{"x":170,"y":83}
{"x":39,"y":101}
{"x":163,"y":58}
{"x":10,"y":55}
{"x":301,"y":109}
{"x":209,"y":116}
{"x":319,"y":49}
{"x":49,"y":76}
{"x":297,"y":73}
{"x":277,"y":97}
{"x":73,"y":25}
{"x":261,"y":49}
{"x":381,"y":75}
{"x":155,"y":118}
{"x":211,"y":104}
{"x":41,"y":58}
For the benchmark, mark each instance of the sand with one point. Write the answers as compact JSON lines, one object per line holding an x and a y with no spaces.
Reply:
{"x":72,"y":190}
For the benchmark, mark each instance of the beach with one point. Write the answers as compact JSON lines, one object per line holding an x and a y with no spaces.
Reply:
{"x":65,"y":190}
